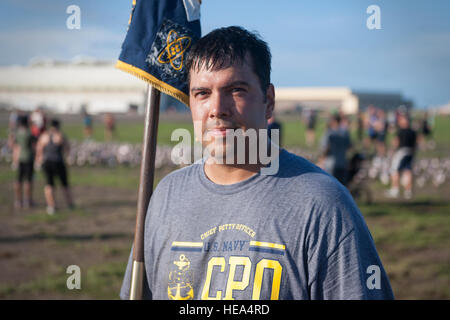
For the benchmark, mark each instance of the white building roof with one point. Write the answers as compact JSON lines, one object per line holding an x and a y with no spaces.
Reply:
{"x":83,"y":81}
{"x":312,"y":93}
{"x":68,"y":77}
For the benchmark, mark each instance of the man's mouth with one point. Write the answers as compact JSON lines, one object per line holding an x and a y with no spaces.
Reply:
{"x":219,"y":131}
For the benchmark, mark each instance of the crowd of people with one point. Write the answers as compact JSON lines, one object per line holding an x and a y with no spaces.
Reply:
{"x":38,"y":144}
{"x":108,"y":121}
{"x":372,"y":128}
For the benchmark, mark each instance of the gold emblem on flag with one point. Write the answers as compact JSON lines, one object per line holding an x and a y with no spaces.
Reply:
{"x":174,"y":50}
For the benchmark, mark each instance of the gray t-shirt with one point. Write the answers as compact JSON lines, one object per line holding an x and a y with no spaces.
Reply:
{"x":294,"y":235}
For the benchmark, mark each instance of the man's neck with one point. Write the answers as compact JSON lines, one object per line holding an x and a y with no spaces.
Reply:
{"x":226,"y":174}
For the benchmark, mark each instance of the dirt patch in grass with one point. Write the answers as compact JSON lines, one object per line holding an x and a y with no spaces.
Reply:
{"x":36,"y":249}
{"x":412,"y":239}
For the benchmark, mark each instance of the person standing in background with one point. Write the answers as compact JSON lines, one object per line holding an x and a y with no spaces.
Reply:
{"x":50,"y":151}
{"x":381,"y":128}
{"x":311,"y":120}
{"x":335,"y":144}
{"x":426,"y":132}
{"x":110,"y":126}
{"x":405,"y":144}
{"x":23,"y":156}
{"x":87,"y":123}
{"x":38,"y":123}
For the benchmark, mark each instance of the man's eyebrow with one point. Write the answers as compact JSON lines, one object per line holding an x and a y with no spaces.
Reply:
{"x":229,"y":85}
{"x":198,"y":89}
{"x":237,"y":83}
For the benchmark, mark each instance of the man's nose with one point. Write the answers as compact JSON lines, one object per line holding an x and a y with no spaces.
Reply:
{"x":219,"y":107}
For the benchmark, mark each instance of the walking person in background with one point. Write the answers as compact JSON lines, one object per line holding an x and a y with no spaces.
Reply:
{"x":38,"y":123}
{"x":110,"y":126}
{"x":425,"y":136}
{"x":371,"y":120}
{"x":87,"y":123}
{"x":311,"y":120}
{"x":335,"y":144}
{"x":23,"y":156}
{"x":345,"y":122}
{"x":381,"y":130}
{"x":405,"y":144}
{"x":50,"y":151}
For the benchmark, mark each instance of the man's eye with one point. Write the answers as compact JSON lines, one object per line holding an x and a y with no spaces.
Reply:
{"x":237,"y":90}
{"x":201,"y":93}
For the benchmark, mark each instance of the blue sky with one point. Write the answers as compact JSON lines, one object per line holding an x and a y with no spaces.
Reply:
{"x":313,"y":43}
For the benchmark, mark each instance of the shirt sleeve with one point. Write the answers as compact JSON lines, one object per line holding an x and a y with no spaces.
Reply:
{"x":349,"y":274}
{"x":155,"y":208}
{"x":126,"y":283}
{"x":343,"y":263}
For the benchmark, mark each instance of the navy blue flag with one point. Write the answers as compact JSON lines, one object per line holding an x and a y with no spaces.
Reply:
{"x":159,"y":36}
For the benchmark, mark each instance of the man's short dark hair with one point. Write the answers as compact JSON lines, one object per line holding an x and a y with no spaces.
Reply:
{"x":221,"y":48}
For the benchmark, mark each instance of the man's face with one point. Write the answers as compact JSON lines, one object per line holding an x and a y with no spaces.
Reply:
{"x":229,"y":98}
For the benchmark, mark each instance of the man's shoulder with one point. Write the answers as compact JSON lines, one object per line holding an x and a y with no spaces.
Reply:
{"x":179,"y":176}
{"x":320,"y":196}
{"x":295,"y":167}
{"x":305,"y":179}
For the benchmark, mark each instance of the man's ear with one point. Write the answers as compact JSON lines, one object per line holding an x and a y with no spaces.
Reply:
{"x":270,"y":100}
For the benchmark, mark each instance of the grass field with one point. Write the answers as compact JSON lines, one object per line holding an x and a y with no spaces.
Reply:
{"x":412,"y":237}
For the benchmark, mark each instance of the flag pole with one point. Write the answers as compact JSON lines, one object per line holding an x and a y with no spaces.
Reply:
{"x":146,"y":181}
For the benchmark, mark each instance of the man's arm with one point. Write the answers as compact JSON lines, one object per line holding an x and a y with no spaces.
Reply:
{"x":353,"y":271}
{"x":342,"y":259}
{"x":126,"y":284}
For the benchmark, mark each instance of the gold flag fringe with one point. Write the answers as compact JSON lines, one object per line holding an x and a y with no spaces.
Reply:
{"x":158,"y":84}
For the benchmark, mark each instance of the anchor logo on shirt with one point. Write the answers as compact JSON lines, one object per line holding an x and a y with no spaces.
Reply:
{"x":180,"y":280}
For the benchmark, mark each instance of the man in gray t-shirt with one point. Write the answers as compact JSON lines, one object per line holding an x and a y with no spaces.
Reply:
{"x":335,"y":144}
{"x":216,"y":230}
